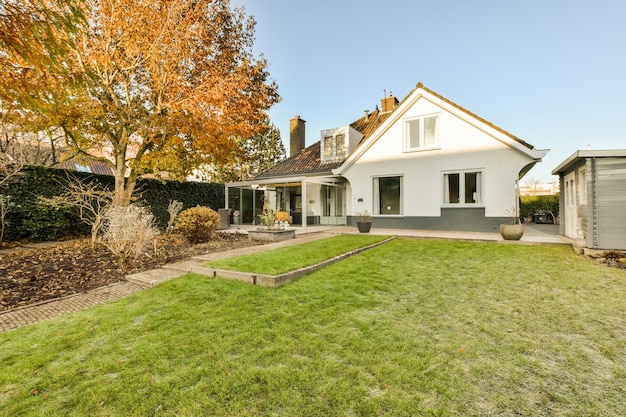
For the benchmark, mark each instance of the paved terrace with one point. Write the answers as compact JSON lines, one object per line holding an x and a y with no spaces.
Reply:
{"x":22,"y":316}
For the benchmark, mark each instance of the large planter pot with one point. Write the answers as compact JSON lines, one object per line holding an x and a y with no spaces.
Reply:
{"x":364,"y":227}
{"x":511,"y":231}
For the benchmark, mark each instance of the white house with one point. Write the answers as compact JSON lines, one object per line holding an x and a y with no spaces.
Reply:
{"x":423,"y":163}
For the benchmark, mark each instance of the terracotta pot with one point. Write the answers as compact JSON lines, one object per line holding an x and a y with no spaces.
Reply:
{"x":511,"y":231}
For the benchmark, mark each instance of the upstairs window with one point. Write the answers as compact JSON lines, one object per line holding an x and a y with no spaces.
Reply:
{"x":421,"y":133}
{"x":334,"y":148}
{"x":462,"y":188}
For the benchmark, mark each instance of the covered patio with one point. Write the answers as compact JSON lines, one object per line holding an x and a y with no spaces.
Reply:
{"x":302,"y":201}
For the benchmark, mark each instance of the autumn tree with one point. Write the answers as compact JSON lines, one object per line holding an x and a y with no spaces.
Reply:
{"x":35,"y":36}
{"x":253,"y":156}
{"x":153,"y":85}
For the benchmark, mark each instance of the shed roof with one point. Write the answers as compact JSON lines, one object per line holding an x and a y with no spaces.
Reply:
{"x":580,"y":155}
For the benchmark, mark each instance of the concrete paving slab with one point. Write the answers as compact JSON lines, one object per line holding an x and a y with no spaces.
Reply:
{"x":153,"y":277}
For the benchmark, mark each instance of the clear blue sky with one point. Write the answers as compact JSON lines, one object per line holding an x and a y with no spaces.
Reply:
{"x":552,"y":72}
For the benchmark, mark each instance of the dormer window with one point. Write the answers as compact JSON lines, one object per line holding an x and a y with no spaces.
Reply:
{"x":334,"y":148}
{"x":421,"y":133}
{"x":336,"y":144}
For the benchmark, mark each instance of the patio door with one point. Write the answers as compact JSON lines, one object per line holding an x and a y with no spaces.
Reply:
{"x":333,"y":203}
{"x":571,"y":213}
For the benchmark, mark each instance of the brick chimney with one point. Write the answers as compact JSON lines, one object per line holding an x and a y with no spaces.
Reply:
{"x":389,"y":103}
{"x":296,"y":135}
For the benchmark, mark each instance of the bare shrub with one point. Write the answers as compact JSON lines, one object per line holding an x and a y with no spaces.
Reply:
{"x":89,"y":198}
{"x":128,"y":231}
{"x":197,"y":224}
{"x":173,"y":209}
{"x":5,"y":206}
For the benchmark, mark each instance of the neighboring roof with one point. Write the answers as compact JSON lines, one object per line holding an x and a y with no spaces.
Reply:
{"x":94,"y":167}
{"x":308,"y":161}
{"x":578,"y":156}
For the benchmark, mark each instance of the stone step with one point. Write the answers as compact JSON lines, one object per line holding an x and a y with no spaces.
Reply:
{"x":156,"y":276}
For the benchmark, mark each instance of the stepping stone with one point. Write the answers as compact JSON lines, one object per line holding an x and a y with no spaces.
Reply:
{"x":154,"y":276}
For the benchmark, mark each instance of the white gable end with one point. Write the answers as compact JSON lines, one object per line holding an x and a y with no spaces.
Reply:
{"x":428,"y":144}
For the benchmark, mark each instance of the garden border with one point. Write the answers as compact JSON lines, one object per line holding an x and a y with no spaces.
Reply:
{"x":275,"y":281}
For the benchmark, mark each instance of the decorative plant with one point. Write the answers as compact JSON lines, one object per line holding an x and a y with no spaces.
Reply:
{"x":174,"y":208}
{"x":128,"y":231}
{"x":268,"y":218}
{"x":363,"y":216}
{"x":513,"y":215}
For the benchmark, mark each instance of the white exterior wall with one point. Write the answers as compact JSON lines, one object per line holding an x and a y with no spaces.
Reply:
{"x":312,"y":194}
{"x":462,"y":146}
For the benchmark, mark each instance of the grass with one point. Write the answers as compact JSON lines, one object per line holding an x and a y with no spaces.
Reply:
{"x":410,"y":328}
{"x":281,"y":260}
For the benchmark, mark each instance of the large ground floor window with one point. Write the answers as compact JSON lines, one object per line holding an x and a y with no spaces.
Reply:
{"x":388,"y":195}
{"x":462,"y":188}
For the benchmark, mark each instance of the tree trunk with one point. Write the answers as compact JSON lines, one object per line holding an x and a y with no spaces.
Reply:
{"x":122,"y":194}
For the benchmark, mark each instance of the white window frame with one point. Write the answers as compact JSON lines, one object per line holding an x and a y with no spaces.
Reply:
{"x":332,"y":155}
{"x":422,"y":133}
{"x":478,"y":194}
{"x":376,"y":195}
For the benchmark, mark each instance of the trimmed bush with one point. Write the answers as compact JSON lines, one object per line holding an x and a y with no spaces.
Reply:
{"x":197,"y":224}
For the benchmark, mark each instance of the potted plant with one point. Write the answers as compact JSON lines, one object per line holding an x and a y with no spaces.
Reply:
{"x":514,"y":229}
{"x":363,"y":221}
{"x":268,"y":219}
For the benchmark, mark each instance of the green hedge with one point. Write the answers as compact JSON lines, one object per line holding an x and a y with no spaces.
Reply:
{"x":529,"y":204}
{"x":32,"y":219}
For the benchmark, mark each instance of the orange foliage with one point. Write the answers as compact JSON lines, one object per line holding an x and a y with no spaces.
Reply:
{"x":158,"y":85}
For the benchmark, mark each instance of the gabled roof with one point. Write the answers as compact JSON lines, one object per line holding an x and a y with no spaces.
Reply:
{"x":369,"y":123}
{"x":469,"y":113}
{"x":308,"y":162}
{"x":419,"y":92}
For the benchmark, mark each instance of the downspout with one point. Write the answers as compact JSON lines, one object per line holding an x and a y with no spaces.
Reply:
{"x":517,"y":213}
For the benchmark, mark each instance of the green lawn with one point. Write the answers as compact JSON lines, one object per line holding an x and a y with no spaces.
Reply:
{"x":410,"y":328}
{"x":281,"y":260}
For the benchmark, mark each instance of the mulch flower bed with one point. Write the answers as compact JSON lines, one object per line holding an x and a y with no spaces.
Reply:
{"x":32,"y":275}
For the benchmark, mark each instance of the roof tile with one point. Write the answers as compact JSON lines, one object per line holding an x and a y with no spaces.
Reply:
{"x":308,"y":161}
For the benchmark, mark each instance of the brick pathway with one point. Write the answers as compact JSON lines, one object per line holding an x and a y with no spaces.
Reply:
{"x":23,"y":316}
